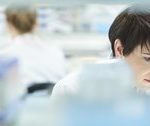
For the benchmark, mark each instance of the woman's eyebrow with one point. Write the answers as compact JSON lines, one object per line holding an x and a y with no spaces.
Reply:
{"x":146,"y":53}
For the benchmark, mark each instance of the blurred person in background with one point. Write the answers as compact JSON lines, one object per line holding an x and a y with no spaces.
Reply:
{"x":129,"y":35}
{"x":39,"y":62}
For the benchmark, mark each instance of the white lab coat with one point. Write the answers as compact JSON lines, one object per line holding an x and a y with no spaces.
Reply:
{"x":96,"y":77}
{"x":67,"y":86}
{"x":37,"y":60}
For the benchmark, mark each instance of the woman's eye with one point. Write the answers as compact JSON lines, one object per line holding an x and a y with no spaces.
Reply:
{"x":147,"y":59}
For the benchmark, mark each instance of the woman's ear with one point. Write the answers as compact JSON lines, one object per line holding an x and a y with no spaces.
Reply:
{"x":118,"y":48}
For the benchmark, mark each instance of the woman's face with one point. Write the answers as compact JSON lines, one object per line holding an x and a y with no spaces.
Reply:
{"x":140,"y":62}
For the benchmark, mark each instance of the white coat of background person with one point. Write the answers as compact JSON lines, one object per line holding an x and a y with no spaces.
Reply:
{"x":38,"y":61}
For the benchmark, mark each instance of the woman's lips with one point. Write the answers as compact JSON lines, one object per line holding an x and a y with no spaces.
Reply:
{"x":147,"y":80}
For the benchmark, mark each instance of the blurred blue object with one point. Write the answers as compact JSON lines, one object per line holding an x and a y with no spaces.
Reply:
{"x":6,"y":64}
{"x":132,"y":112}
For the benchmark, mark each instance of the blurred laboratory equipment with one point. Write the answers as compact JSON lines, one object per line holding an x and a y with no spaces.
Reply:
{"x":105,"y":95}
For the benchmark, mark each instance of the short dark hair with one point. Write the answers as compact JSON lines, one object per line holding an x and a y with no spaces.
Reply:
{"x":132,"y":28}
{"x":21,"y":16}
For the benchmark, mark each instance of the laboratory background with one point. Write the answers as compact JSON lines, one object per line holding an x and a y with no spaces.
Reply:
{"x":78,"y":31}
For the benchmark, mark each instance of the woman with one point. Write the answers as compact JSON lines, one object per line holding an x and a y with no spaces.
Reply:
{"x":38,"y":62}
{"x":129,"y":35}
